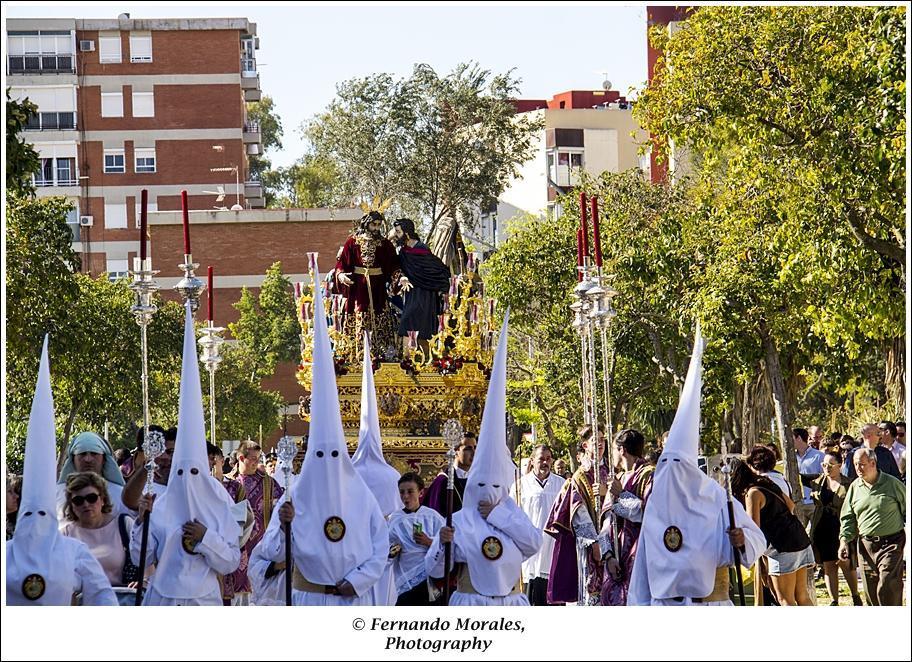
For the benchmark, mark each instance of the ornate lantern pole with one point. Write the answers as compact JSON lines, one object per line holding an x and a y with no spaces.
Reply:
{"x":452,"y":433}
{"x":286,"y":450}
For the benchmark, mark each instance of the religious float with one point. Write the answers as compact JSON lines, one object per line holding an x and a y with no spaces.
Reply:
{"x":421,"y":384}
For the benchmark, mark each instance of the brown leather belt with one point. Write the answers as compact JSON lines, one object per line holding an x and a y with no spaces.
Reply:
{"x":300,"y":584}
{"x":880,"y":539}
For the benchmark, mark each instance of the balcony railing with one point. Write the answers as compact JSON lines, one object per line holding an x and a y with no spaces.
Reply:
{"x":251,"y":127}
{"x":248,"y":67}
{"x":43,"y":183}
{"x":51,"y":122}
{"x":42,"y":63}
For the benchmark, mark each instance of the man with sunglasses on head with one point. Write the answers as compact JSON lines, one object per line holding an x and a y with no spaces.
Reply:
{"x":871,"y":437}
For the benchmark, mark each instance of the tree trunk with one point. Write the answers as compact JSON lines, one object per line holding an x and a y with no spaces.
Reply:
{"x":781,"y":407}
{"x":75,"y":405}
{"x":895,"y":376}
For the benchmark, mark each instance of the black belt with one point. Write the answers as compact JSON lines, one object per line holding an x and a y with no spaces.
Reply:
{"x":879,"y":539}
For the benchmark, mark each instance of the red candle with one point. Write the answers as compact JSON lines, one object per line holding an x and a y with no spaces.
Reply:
{"x":143,"y":226}
{"x":186,"y":211}
{"x":211,"y":292}
{"x":584,"y":228}
{"x":579,"y":254}
{"x":596,"y":240}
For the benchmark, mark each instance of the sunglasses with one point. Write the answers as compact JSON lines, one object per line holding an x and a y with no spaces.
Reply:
{"x":88,"y":498}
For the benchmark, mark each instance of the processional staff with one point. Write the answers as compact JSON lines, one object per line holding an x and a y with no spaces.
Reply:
{"x":144,"y":287}
{"x":452,"y":433}
{"x":726,"y":473}
{"x":286,"y":450}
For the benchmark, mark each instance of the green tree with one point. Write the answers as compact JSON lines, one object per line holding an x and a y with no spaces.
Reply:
{"x":310,"y":182}
{"x":799,"y":112}
{"x":263,"y":113}
{"x":21,"y":158}
{"x":437,"y":145}
{"x":267,"y":329}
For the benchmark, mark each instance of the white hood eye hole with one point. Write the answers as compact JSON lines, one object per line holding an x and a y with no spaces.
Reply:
{"x":495,"y":486}
{"x":28,"y":513}
{"x":194,"y":471}
{"x":180,"y":472}
{"x":335,"y":453}
{"x":42,"y":513}
{"x":481,"y":484}
{"x":319,"y":453}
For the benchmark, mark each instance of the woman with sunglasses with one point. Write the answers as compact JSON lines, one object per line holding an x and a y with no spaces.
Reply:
{"x":91,"y":518}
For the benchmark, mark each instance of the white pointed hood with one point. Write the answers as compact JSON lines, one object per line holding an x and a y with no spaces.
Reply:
{"x":490,"y":478}
{"x":381,"y":479}
{"x":333,"y":505}
{"x":685,"y":498}
{"x":37,"y":548}
{"x":192,"y":492}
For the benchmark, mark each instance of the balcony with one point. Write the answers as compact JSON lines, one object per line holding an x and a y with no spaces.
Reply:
{"x":253,"y":94}
{"x":44,"y":183}
{"x":41,"y":63}
{"x":51,"y":122}
{"x":253,"y":195}
{"x":251,"y":134}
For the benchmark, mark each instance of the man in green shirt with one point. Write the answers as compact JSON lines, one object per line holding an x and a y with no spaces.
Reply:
{"x":874,"y":511}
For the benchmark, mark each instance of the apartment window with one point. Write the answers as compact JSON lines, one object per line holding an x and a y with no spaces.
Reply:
{"x":109,"y":49}
{"x":112,"y":104}
{"x":117,"y":269}
{"x":115,"y":216}
{"x":572,"y":159}
{"x":56,"y":106}
{"x":47,"y":51}
{"x":72,"y":221}
{"x":45,"y":176}
{"x":145,"y":160}
{"x":141,"y":47}
{"x":143,"y":104}
{"x":114,"y":161}
{"x":66,"y":172}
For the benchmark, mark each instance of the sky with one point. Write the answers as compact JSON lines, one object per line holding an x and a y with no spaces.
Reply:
{"x":306,"y":49}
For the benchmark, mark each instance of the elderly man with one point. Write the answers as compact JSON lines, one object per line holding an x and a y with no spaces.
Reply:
{"x":874,"y":512}
{"x":89,"y":452}
{"x":885,"y":461}
{"x":538,"y":490}
{"x":815,"y":437}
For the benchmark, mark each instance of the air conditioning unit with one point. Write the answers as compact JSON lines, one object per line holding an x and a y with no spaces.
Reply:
{"x":86,"y":221}
{"x":86,"y":45}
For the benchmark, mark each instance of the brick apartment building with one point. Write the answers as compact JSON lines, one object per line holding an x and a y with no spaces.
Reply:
{"x":126,"y":104}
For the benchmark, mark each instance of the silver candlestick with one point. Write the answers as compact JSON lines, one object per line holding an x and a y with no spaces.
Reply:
{"x":144,"y":287}
{"x":190,"y":287}
{"x":211,"y":341}
{"x":153,"y":446}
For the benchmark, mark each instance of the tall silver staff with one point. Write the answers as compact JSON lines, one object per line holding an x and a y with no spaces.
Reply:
{"x":144,"y":308}
{"x":210,"y":343}
{"x":286,"y":450}
{"x":453,"y":434}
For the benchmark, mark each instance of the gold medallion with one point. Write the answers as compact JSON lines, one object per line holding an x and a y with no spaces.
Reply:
{"x":673,"y":539}
{"x":492,"y":548}
{"x":334,"y":529}
{"x":33,"y":587}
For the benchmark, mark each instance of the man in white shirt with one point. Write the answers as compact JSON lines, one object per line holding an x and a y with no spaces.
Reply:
{"x":538,"y":490}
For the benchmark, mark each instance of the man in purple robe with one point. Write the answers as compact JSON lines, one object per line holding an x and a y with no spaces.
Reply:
{"x":262,"y":493}
{"x":436,"y":494}
{"x":576,"y":564}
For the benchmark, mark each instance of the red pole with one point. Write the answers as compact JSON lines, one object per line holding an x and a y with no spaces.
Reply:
{"x":211,"y":294}
{"x":584,"y":228}
{"x":596,"y":240}
{"x":185,"y":208}
{"x":143,"y":225}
